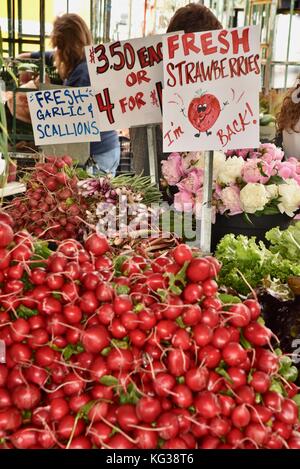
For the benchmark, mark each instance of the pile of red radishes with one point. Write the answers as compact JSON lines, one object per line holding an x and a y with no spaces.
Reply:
{"x":107,"y":351}
{"x":51,"y":207}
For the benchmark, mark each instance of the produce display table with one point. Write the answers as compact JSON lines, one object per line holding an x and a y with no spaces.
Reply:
{"x":12,"y":188}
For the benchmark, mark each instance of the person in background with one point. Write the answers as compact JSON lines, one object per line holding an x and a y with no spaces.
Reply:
{"x":69,"y":37}
{"x":190,"y":18}
{"x":288,"y":123}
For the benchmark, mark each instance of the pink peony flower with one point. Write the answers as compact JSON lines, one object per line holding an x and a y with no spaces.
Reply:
{"x":252,"y":173}
{"x":191,"y":160}
{"x":192,"y":182}
{"x":172,"y":169}
{"x":230,"y":197}
{"x":183,"y":201}
{"x":270,"y":152}
{"x":286,"y":171}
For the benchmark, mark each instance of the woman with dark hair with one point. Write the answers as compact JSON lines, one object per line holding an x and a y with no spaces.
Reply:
{"x":69,"y":37}
{"x":288,"y":123}
{"x":191,"y":18}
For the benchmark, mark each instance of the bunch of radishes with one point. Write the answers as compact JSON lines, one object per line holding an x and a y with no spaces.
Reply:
{"x":51,"y":206}
{"x":127,"y":351}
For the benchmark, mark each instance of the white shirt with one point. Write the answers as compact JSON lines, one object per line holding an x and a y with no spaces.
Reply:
{"x":291,"y":142}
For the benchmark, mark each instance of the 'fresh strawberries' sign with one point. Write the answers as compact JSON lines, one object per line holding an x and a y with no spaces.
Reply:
{"x":211,"y":90}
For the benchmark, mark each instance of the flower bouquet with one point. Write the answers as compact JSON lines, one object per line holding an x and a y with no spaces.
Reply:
{"x":246,"y":182}
{"x":253,"y":189}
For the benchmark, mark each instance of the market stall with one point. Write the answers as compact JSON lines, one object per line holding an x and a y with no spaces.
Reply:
{"x":146,"y":314}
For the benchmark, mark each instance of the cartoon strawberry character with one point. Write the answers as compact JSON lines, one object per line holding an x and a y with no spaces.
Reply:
{"x":203,"y":112}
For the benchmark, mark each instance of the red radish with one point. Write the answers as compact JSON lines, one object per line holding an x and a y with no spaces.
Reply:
{"x":146,"y":439}
{"x":203,"y":334}
{"x":241,"y":315}
{"x":148,"y":409}
{"x":234,"y":354}
{"x":182,"y":253}
{"x":183,"y":396}
{"x":221,"y":337}
{"x":98,"y":411}
{"x":198,"y":270}
{"x":178,"y":362}
{"x":58,"y":408}
{"x":6,"y":234}
{"x":26,"y":397}
{"x":260,"y":413}
{"x":210,"y":288}
{"x":192,"y":293}
{"x":210,"y":317}
{"x":66,"y":427}
{"x":227,"y":404}
{"x":72,"y":313}
{"x":235,"y":437}
{"x":6,"y":218}
{"x":122,"y":304}
{"x":163,"y":384}
{"x":257,"y":334}
{"x":88,"y":303}
{"x":237,"y":376}
{"x":181,"y":339}
{"x":245,"y":395}
{"x":210,"y":442}
{"x":97,"y":244}
{"x":260,"y":381}
{"x":219,"y":426}
{"x":257,"y":433}
{"x":214,"y":303}
{"x":5,"y":258}
{"x":100,"y":433}
{"x":294,"y":442}
{"x":10,"y":419}
{"x":288,"y":413}
{"x":174,"y":307}
{"x":273,"y":401}
{"x":254,"y":308}
{"x":191,"y":315}
{"x":210,"y":355}
{"x":24,"y":438}
{"x":80,"y":442}
{"x":268,"y":362}
{"x":120,"y":359}
{"x":168,"y":426}
{"x":165,"y":329}
{"x":207,"y":405}
{"x":282,"y":429}
{"x":95,"y":339}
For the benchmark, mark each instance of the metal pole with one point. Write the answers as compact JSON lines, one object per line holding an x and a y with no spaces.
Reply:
{"x":152,"y":152}
{"x":42,"y":41}
{"x":206,"y":210}
{"x":129,"y":18}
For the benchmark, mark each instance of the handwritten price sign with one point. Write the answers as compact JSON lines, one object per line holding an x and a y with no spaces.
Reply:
{"x":211,"y":90}
{"x":127,"y":79}
{"x":64,"y":115}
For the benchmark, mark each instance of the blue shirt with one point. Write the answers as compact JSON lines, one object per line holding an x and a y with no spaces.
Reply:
{"x":80,"y":77}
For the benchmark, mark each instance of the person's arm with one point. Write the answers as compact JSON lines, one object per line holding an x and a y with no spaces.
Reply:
{"x":24,"y":55}
{"x":37,"y":55}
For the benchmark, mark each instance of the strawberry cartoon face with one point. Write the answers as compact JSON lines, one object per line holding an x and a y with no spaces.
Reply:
{"x":203,"y":112}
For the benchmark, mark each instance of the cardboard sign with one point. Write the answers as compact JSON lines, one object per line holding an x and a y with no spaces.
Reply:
{"x":64,"y":116}
{"x":127,"y":79}
{"x":211,"y":90}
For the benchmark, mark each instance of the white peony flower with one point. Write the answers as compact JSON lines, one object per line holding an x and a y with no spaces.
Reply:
{"x":253,"y":197}
{"x":230,"y":170}
{"x":289,"y":197}
{"x":272,"y":191}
